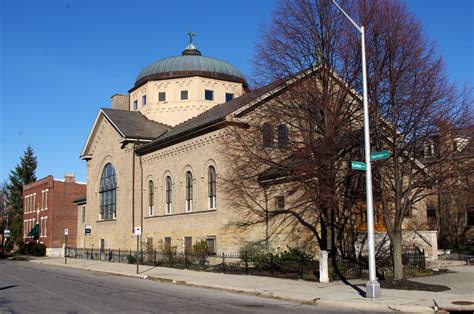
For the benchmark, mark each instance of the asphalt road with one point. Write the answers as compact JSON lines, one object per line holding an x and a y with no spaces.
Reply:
{"x":33,"y":288}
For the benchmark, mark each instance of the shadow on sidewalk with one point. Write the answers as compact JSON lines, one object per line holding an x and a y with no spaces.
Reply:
{"x":147,"y":270}
{"x":356,"y":288}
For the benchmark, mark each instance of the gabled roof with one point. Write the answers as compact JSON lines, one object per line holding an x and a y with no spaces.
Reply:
{"x":212,"y":116}
{"x":131,"y":125}
{"x":134,"y":125}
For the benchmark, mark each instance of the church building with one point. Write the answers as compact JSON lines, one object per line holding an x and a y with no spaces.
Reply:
{"x":154,"y":160}
{"x":157,"y":160}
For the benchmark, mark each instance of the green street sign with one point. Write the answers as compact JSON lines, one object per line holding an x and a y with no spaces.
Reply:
{"x":358,"y":165}
{"x":384,"y":154}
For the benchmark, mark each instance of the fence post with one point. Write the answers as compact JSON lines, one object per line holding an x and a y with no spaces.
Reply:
{"x":169,"y":257}
{"x":186,"y":259}
{"x":246,"y":261}
{"x":154,"y":257}
{"x":92,"y":253}
{"x":119,"y":256}
{"x":271,"y":263}
{"x":301,"y":270}
{"x":423,"y":258}
{"x":223,"y":262}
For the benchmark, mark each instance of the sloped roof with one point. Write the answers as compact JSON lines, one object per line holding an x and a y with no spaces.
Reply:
{"x":210,"y":117}
{"x":131,"y":125}
{"x":134,"y":125}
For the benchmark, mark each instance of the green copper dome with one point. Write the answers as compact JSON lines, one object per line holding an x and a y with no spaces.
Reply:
{"x":190,"y":63}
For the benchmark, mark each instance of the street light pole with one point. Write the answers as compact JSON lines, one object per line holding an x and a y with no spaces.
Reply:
{"x":372,"y":287}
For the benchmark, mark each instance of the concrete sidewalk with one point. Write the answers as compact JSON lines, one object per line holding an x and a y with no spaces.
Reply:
{"x":335,"y":293}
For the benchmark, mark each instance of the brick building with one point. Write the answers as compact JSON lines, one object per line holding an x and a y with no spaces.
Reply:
{"x":49,"y":203}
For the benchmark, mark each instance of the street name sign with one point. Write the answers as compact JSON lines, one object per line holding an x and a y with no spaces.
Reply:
{"x":358,"y":165}
{"x":384,"y":154}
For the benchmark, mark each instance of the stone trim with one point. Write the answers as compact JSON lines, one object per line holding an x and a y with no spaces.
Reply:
{"x":107,"y":220}
{"x":181,"y":148}
{"x":186,"y":213}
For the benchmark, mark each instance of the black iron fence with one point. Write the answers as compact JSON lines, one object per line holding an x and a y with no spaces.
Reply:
{"x":413,"y":259}
{"x":282,"y":266}
{"x":267,"y":265}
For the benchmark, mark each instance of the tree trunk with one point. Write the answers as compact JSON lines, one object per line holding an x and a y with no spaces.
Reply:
{"x":396,"y":239}
{"x":323,"y":245}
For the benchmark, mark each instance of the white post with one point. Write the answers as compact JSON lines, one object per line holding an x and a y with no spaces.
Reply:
{"x":323,"y":267}
{"x":372,"y":287}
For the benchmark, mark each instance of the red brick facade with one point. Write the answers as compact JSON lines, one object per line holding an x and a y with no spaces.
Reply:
{"x":49,"y":202}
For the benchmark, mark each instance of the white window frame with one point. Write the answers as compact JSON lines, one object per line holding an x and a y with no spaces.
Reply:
{"x":46,"y":199}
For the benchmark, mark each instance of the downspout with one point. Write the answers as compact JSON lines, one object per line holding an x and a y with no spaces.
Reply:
{"x":133,"y":185}
{"x":141,"y":193}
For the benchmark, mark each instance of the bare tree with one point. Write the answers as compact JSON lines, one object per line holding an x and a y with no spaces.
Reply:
{"x":409,"y":96}
{"x":301,"y":53}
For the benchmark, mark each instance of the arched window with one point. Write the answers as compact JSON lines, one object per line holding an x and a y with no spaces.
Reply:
{"x":282,"y":136}
{"x":107,"y":192}
{"x":211,"y":174}
{"x":151,"y":197}
{"x":267,"y":135}
{"x":189,"y":191}
{"x":169,"y":194}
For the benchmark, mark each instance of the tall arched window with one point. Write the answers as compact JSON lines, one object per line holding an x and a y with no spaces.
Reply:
{"x":267,"y":135}
{"x":169,"y":194}
{"x":282,"y":136}
{"x":189,"y":191}
{"x":151,"y":197}
{"x":211,"y":174}
{"x":107,"y":192}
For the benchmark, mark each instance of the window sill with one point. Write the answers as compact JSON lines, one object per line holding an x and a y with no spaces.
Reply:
{"x":181,"y":214}
{"x":106,"y":220}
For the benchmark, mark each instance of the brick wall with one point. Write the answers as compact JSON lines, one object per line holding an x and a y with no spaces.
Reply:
{"x":57,"y":206}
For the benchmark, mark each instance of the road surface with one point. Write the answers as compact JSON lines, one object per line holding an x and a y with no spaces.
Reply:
{"x":34,"y":288}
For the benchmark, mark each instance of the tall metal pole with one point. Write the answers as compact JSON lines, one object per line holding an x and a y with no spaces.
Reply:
{"x":65,"y":252}
{"x":372,"y":287}
{"x":138,"y":240}
{"x":84,"y":249}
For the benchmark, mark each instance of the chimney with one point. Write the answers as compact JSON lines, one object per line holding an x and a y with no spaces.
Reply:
{"x":120,"y":101}
{"x":69,"y":178}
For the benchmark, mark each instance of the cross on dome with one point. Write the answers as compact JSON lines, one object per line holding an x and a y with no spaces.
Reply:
{"x":191,"y":35}
{"x":191,"y":50}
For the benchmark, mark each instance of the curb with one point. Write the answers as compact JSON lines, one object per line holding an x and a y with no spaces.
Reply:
{"x":367,"y":305}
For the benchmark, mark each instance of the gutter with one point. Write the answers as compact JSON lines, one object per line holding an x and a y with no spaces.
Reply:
{"x":153,"y":146}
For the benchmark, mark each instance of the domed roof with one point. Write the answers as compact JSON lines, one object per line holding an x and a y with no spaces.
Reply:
{"x":190,"y":63}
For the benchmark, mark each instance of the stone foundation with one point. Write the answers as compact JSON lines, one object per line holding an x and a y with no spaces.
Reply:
{"x":425,"y":240}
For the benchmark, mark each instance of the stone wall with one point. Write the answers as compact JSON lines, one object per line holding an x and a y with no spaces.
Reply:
{"x":425,"y":240}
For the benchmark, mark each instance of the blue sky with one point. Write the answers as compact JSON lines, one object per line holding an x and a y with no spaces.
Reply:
{"x":61,"y":60}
